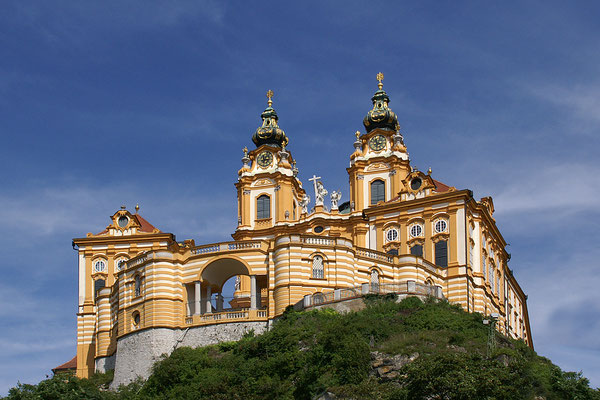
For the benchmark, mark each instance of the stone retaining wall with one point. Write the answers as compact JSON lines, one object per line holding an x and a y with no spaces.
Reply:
{"x":138,"y":351}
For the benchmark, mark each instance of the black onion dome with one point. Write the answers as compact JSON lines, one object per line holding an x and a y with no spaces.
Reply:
{"x":269,"y":132}
{"x":381,"y":116}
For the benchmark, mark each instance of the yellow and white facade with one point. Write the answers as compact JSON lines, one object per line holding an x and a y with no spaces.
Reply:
{"x":141,"y":291}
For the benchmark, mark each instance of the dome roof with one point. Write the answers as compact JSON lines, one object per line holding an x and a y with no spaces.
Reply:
{"x":269,"y":132}
{"x":381,"y":116}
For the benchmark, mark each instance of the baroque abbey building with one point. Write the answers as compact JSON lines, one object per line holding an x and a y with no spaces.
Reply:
{"x":142,"y":293}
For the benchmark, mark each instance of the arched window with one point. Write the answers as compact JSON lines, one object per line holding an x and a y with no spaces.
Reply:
{"x":98,"y":284}
{"x":441,"y":254}
{"x":318,"y":271}
{"x":377,"y":191}
{"x":491,"y":277}
{"x":263,"y":207}
{"x":374,"y":280}
{"x":417,"y":250}
{"x":138,"y":285}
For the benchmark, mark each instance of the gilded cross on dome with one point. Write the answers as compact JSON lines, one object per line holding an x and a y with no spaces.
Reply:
{"x":380,"y":79}
{"x":269,"y":96}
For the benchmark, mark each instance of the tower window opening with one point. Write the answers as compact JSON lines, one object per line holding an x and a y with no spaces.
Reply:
{"x":263,"y":207}
{"x":377,"y":191}
{"x":318,"y":271}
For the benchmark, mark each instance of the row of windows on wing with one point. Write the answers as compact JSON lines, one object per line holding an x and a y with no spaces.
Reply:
{"x":137,"y":288}
{"x":318,"y":270}
{"x":416,"y":230}
{"x":489,"y":260}
{"x":440,"y":249}
{"x":100,"y":265}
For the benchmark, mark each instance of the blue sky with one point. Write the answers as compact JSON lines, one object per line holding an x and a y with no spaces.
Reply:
{"x":124,"y":102}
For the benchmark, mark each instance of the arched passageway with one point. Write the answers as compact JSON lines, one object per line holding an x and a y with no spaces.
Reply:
{"x":212,"y":279}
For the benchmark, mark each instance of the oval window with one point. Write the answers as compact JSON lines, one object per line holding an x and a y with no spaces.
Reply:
{"x":318,"y":229}
{"x":123,"y":221}
{"x":415,"y":184}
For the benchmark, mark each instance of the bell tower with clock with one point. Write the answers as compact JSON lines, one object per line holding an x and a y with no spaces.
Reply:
{"x":268,"y":189}
{"x":380,"y":161}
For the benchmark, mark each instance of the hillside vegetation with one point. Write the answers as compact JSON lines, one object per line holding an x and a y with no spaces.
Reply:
{"x":406,"y":350}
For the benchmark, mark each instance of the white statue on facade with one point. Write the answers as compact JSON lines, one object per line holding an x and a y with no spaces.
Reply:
{"x":321,"y":193}
{"x":335,"y":198}
{"x":304,"y":203}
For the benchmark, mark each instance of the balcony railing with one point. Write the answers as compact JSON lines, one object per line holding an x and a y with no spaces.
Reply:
{"x":227,"y":246}
{"x":375,"y":255}
{"x":244,"y":314}
{"x":407,"y":288}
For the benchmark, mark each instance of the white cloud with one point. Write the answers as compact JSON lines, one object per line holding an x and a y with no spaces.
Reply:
{"x":563,"y":188}
{"x":79,"y":209}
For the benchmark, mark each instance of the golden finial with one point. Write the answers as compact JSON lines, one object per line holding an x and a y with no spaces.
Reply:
{"x":137,"y":208}
{"x":429,"y":171}
{"x":245,"y":150}
{"x":270,"y":96}
{"x":380,"y":79}
{"x":357,"y":134}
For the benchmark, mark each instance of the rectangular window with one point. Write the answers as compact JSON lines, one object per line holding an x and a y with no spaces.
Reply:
{"x":441,"y":254}
{"x":417,"y":250}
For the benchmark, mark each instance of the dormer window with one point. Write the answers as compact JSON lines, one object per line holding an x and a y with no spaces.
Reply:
{"x":416,"y":183}
{"x":122,"y":221}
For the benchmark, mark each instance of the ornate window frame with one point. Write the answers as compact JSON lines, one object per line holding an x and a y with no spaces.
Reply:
{"x":261,"y":196}
{"x":378,"y":179}
{"x":99,"y":261}
{"x":441,"y":221}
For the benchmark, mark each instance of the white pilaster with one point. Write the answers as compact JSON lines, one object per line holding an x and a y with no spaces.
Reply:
{"x":208,"y":303}
{"x":197,"y":298}
{"x":253,"y":292}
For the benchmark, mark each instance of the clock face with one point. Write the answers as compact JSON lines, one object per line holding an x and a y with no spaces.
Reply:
{"x":264,"y":159}
{"x":377,"y":143}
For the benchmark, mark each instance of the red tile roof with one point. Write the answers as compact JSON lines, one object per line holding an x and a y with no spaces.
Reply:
{"x":72,"y":364}
{"x":145,"y":226}
{"x":441,"y":187}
